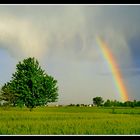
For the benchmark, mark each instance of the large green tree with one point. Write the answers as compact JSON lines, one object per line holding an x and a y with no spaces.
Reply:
{"x":30,"y":86}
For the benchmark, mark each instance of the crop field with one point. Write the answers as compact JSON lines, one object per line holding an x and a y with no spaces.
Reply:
{"x":69,"y":121}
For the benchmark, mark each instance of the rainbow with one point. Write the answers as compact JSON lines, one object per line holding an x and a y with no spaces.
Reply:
{"x":114,"y":68}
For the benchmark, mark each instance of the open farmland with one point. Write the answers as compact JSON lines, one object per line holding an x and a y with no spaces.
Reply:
{"x":69,"y":121}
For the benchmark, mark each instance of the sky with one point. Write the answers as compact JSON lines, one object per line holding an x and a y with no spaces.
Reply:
{"x":63,"y":39}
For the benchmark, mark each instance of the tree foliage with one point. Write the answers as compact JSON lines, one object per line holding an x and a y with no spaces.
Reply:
{"x":30,"y":86}
{"x":98,"y":101}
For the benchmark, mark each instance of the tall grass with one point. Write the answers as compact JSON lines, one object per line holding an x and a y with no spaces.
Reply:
{"x":69,"y":121}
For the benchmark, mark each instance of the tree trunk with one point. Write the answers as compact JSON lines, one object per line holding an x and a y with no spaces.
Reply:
{"x":31,"y":108}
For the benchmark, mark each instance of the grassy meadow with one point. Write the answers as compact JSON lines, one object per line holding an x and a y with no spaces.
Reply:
{"x":69,"y":121}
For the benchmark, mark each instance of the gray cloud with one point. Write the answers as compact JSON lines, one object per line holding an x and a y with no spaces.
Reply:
{"x":67,"y":28}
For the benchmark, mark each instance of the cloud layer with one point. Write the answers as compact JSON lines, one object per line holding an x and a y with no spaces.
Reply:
{"x":35,"y":30}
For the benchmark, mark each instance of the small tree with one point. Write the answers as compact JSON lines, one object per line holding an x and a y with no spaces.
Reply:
{"x":30,"y":86}
{"x":108,"y":103}
{"x":98,"y":101}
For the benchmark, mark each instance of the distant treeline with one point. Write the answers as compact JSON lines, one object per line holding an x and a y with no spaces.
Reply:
{"x":110,"y":103}
{"x":98,"y":101}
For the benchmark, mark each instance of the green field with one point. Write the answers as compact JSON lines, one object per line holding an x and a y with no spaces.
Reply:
{"x":70,"y":121}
